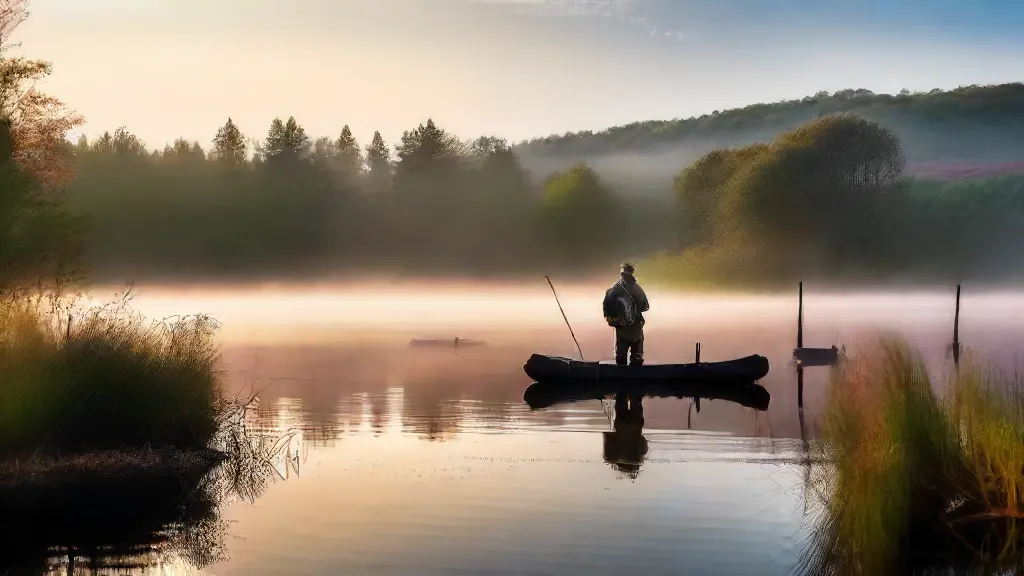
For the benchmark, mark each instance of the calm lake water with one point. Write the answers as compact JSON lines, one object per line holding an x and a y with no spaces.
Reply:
{"x":427,"y":461}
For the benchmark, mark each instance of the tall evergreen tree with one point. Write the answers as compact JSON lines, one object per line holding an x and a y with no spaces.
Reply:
{"x":350,"y":157}
{"x":286,"y":141}
{"x":378,"y":163}
{"x":229,"y":145}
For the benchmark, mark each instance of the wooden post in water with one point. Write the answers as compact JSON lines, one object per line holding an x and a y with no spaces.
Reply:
{"x":800,"y":386}
{"x":800,"y":318}
{"x":956,"y":329}
{"x":697,"y":360}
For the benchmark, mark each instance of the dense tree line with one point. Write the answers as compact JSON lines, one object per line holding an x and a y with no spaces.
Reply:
{"x":434,"y":204}
{"x":830,"y":198}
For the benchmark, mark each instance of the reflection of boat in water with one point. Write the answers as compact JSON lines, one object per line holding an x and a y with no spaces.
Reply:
{"x":625,"y":446}
{"x":727,"y":373}
{"x":748,"y":394}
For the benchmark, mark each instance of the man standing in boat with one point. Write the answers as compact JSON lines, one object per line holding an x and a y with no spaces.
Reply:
{"x":624,"y":305}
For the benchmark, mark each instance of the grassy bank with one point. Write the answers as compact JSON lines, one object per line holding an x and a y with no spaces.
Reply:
{"x":75,"y":379}
{"x":922,"y":474}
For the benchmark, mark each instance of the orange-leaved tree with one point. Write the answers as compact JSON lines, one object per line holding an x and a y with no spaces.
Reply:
{"x":38,"y":239}
{"x":39,"y":122}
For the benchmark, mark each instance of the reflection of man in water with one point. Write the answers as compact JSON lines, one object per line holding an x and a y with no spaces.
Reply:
{"x":625,"y":447}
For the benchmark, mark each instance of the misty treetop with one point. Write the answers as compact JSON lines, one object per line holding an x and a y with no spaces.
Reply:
{"x":297,"y":205}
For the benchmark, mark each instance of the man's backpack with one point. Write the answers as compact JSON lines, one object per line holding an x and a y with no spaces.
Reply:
{"x":618,"y":306}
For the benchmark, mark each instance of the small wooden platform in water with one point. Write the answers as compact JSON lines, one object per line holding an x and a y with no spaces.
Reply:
{"x":807,"y":357}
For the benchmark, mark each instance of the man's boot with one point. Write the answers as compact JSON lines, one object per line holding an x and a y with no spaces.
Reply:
{"x":620,"y":360}
{"x":635,"y":361}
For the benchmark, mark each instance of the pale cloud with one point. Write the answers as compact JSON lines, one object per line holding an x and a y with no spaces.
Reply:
{"x":634,"y":13}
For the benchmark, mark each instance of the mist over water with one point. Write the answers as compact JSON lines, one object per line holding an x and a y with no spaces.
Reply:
{"x":411,"y":460}
{"x":354,"y":338}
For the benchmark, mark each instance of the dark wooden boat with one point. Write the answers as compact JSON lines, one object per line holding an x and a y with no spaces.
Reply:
{"x":556,"y":368}
{"x":542,"y":395}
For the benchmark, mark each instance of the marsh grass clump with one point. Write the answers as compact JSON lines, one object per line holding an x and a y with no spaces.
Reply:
{"x":918,"y":476}
{"x":74,"y":380}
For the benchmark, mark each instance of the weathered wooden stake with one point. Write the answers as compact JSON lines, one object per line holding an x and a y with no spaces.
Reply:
{"x":800,"y":319}
{"x":800,"y":386}
{"x":956,"y":329}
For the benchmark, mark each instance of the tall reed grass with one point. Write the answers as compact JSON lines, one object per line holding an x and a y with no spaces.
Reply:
{"x":920,"y":475}
{"x":75,"y":379}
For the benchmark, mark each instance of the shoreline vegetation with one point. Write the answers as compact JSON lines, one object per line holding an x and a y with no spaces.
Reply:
{"x":922,"y":472}
{"x":116,"y":441}
{"x":78,"y":379}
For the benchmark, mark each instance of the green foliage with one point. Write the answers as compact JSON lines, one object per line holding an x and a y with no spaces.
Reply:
{"x":914,"y":479}
{"x":229,"y":145}
{"x":349,"y":156}
{"x":803,"y":203}
{"x":578,"y":212}
{"x":39,"y":243}
{"x":103,"y":379}
{"x":286,"y":142}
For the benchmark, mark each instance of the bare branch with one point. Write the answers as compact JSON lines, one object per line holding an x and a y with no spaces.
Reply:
{"x":12,"y":14}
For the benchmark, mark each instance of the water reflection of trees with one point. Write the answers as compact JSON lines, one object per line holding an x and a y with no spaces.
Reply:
{"x":427,"y":406}
{"x":119,"y":514}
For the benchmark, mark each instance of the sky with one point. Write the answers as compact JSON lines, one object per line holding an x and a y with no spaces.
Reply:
{"x":514,"y":68}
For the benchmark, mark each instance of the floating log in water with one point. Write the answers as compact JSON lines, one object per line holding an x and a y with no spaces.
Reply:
{"x":445,"y":342}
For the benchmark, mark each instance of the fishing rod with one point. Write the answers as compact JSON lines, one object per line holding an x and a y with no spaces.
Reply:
{"x":604,"y":404}
{"x":565,"y":318}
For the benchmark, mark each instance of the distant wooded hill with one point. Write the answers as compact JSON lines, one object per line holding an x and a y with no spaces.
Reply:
{"x":969,"y":131}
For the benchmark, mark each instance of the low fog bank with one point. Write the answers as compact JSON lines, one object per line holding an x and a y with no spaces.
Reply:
{"x":512,"y":287}
{"x":933,"y":152}
{"x":398,"y":311}
{"x":501,"y":288}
